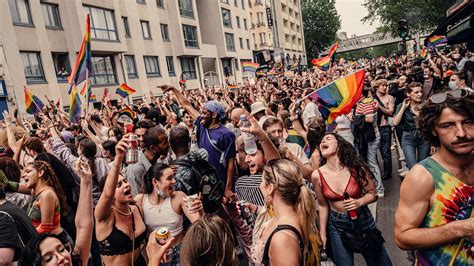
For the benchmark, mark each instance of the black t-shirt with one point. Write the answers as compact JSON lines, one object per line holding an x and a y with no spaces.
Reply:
{"x":17,"y":224}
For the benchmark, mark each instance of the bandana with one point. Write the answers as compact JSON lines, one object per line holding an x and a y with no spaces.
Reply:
{"x":215,"y":107}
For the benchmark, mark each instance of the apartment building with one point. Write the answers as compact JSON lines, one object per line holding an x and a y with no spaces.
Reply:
{"x":277,"y":31}
{"x":144,"y":43}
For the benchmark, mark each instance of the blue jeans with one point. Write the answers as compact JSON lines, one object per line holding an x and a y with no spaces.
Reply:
{"x":415,"y":148}
{"x":175,"y":255}
{"x":385,"y":144}
{"x":372,"y":148}
{"x":338,"y":222}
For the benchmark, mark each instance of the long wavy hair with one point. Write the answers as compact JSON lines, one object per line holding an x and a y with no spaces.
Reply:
{"x":349,"y":158}
{"x":51,"y":180}
{"x":32,"y":254}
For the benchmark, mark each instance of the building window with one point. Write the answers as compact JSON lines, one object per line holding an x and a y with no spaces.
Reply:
{"x":225,"y":1}
{"x":160,"y":3}
{"x":131,"y":66}
{"x":102,"y":23}
{"x":245,"y":24}
{"x":190,"y":36}
{"x":262,"y":38}
{"x":164,"y":32}
{"x":186,"y":8}
{"x":152,"y":66}
{"x":61,"y":65}
{"x":51,"y":16}
{"x":143,"y":2}
{"x":126,"y":27}
{"x":188,"y":67}
{"x":259,"y":17}
{"x":20,"y":11}
{"x":241,"y":42}
{"x":226,"y":18}
{"x":170,"y":65}
{"x":238,"y":22}
{"x":145,"y":29}
{"x":248,"y":44}
{"x":242,"y":4}
{"x":235,"y":3}
{"x":32,"y":67}
{"x":103,"y":70}
{"x":229,"y":42}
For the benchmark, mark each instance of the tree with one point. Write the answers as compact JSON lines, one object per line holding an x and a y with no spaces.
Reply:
{"x":422,"y":16}
{"x":320,"y":24}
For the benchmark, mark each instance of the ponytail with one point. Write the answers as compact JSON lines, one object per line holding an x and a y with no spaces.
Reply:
{"x":307,"y":216}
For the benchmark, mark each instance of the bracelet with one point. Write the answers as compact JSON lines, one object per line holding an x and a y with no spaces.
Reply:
{"x":293,"y":118}
{"x":117,"y":166}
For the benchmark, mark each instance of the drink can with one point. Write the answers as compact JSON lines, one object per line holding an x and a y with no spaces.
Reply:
{"x":132,"y":153}
{"x":162,"y":234}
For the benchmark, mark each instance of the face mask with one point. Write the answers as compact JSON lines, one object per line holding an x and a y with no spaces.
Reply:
{"x":161,"y":193}
{"x":113,"y":139}
{"x":452,"y":85}
{"x":426,"y":76}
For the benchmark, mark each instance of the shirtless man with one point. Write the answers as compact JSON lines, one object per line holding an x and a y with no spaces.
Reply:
{"x":434,"y":215}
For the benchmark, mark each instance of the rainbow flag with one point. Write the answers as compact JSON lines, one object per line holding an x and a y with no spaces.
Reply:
{"x":92,"y":98}
{"x":232,"y":87}
{"x":83,"y":67}
{"x":33,"y":104}
{"x":438,"y":39}
{"x":128,"y":112}
{"x":124,"y":90}
{"x":324,"y":63}
{"x":75,"y":105}
{"x":424,"y":54}
{"x":249,"y":66}
{"x":338,"y":97}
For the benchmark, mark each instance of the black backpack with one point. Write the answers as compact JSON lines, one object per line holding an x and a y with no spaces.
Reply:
{"x":204,"y":175}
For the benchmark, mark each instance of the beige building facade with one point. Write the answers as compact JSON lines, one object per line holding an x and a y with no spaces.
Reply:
{"x":277,"y":30}
{"x":143,"y":43}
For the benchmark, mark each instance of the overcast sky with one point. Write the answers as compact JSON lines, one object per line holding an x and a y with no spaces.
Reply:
{"x":351,"y":13}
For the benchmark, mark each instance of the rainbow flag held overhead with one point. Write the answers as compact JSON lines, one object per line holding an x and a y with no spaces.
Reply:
{"x":437,"y":39}
{"x":128,"y":112}
{"x":83,"y":68}
{"x":232,"y":87}
{"x":124,"y":90}
{"x":249,"y":66}
{"x":325,"y":62}
{"x":424,"y":54}
{"x":33,"y":104}
{"x":92,"y":98}
{"x":338,"y":97}
{"x":75,"y":105}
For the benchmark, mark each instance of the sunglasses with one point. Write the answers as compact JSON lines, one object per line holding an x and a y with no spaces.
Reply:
{"x":442,"y":96}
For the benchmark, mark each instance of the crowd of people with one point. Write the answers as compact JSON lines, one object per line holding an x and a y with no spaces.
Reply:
{"x":222,"y":176}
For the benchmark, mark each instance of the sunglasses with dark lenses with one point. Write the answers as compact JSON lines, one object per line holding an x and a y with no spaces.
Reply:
{"x":442,"y":96}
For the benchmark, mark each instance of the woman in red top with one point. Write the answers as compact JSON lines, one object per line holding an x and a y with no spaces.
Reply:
{"x":344,"y":187}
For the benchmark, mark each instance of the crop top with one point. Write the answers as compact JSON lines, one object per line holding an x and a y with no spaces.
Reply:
{"x":119,"y":243}
{"x":352,"y":188}
{"x":34,"y":212}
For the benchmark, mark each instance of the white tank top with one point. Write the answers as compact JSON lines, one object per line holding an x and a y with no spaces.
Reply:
{"x":162,"y":215}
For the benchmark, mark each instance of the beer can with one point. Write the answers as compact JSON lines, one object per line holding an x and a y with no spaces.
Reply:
{"x":132,"y":153}
{"x":162,"y":234}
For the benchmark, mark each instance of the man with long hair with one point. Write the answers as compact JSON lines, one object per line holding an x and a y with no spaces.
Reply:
{"x":434,"y":215}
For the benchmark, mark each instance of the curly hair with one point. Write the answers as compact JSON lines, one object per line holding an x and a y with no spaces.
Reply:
{"x":50,"y":178}
{"x":430,"y":112}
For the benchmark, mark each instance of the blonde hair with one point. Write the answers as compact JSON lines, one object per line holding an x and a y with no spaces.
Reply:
{"x":288,"y":181}
{"x":209,"y":241}
{"x":18,"y":131}
{"x":379,"y":83}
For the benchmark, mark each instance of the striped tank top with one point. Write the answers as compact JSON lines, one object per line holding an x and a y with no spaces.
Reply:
{"x":453,"y":201}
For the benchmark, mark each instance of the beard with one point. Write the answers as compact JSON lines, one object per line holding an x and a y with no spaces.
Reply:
{"x":206,"y":122}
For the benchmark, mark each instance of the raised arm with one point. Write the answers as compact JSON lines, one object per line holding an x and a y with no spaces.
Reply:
{"x":183,"y":102}
{"x":106,"y":200}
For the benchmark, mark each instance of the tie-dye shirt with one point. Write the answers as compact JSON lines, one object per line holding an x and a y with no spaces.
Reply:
{"x":453,"y":202}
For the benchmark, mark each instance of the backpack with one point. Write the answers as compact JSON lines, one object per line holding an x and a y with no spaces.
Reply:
{"x":204,"y":175}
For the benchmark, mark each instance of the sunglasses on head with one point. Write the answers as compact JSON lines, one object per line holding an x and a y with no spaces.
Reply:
{"x":442,"y":96}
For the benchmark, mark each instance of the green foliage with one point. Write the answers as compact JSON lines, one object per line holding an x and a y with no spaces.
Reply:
{"x":320,"y":23}
{"x":422,"y":15}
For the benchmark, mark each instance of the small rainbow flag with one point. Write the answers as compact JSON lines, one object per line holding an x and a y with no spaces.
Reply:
{"x":124,"y":90}
{"x":424,"y":54}
{"x":338,"y":97}
{"x":128,"y":112}
{"x":33,"y":104}
{"x":232,"y":87}
{"x":249,"y":66}
{"x":325,"y":62}
{"x":437,"y":39}
{"x":92,"y":98}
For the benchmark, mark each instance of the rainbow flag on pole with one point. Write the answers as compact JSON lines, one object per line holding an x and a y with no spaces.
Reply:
{"x":325,"y":62}
{"x":33,"y":104}
{"x":338,"y":97}
{"x":250,"y":67}
{"x":124,"y":90}
{"x":128,"y":112}
{"x":437,"y":39}
{"x":83,"y":67}
{"x":75,"y":105}
{"x":92,"y":98}
{"x":424,"y":54}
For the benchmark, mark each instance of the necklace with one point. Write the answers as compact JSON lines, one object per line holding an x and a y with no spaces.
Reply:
{"x":124,"y":214}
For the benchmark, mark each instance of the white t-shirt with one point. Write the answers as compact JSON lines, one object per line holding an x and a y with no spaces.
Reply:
{"x":311,"y":110}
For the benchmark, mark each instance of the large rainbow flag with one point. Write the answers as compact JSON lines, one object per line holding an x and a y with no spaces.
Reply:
{"x":249,"y":66}
{"x":75,"y":105}
{"x":437,"y":39}
{"x":338,"y":97}
{"x":124,"y":90}
{"x":325,"y":62}
{"x":83,"y":67}
{"x":33,"y":104}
